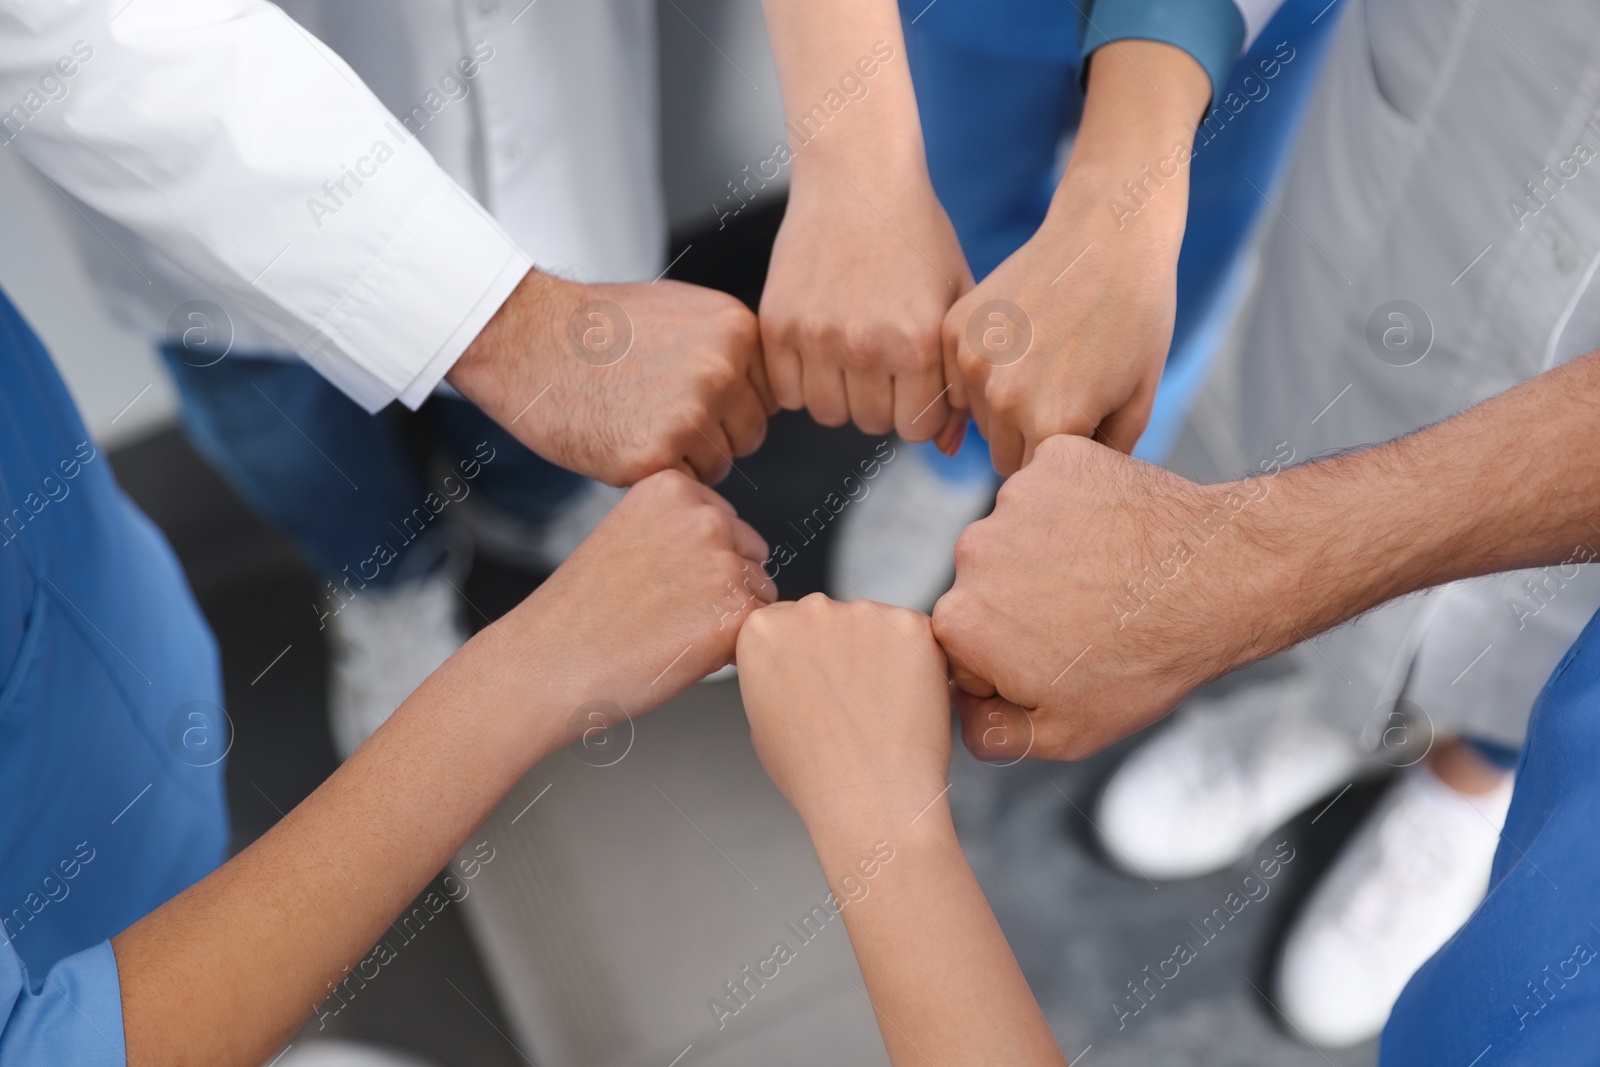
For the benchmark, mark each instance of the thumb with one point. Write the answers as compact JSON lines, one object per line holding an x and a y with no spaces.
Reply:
{"x":993,"y":728}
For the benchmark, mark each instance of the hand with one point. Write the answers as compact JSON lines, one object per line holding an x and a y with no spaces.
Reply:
{"x":1068,"y":335}
{"x":620,"y":381}
{"x":651,"y":602}
{"x":1100,"y":592}
{"x":851,"y":312}
{"x":849,"y":711}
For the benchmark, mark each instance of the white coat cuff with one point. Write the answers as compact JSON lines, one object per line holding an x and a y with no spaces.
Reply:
{"x":417,"y":307}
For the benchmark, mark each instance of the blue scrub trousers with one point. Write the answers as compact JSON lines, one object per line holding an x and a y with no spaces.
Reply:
{"x":112,"y":732}
{"x":336,"y":480}
{"x":1520,"y":982}
{"x":997,"y":91}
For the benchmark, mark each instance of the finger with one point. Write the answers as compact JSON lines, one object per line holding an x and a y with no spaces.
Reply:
{"x":952,"y":362}
{"x":1122,"y":428}
{"x":710,"y":454}
{"x":994,"y":728}
{"x":966,"y":679}
{"x":762,"y":384}
{"x":954,"y":431}
{"x":871,"y":401}
{"x":707,"y":495}
{"x":921,"y":405}
{"x":746,"y":541}
{"x":756,"y":582}
{"x":1005,"y":447}
{"x":744,"y":420}
{"x":979,"y":407}
{"x":1029,"y":443}
{"x":781,"y":365}
{"x":826,"y":399}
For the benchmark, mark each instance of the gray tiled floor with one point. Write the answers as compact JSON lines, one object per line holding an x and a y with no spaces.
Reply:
{"x":1083,"y":930}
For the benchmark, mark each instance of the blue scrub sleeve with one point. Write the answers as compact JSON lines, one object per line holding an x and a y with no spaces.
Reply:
{"x":73,"y":1020}
{"x":1212,"y":31}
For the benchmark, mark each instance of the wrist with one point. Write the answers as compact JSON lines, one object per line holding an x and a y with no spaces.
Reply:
{"x":1141,"y":90}
{"x":875,"y":157}
{"x":1325,"y":542}
{"x":845,"y":844}
{"x":526,"y":327}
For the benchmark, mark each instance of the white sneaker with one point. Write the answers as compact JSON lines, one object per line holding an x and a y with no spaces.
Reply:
{"x":1202,"y":794}
{"x":896,"y":544}
{"x":328,"y":1053}
{"x":384,"y":642}
{"x":1409,"y":878}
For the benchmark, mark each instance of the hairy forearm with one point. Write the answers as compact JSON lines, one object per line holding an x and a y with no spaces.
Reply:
{"x":1512,"y":482}
{"x":828,"y":51}
{"x":254,"y":947}
{"x":941,"y":977}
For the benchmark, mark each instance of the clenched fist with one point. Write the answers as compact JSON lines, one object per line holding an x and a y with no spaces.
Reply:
{"x":651,"y":602}
{"x":1068,"y":335}
{"x":1100,"y":592}
{"x":849,"y":710}
{"x":620,"y":381}
{"x":853,"y":303}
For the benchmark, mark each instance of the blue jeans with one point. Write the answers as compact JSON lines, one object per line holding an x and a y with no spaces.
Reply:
{"x":339,"y":482}
{"x":1520,"y":982}
{"x":992,"y":118}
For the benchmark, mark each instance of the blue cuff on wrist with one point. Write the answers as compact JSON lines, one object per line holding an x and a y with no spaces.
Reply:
{"x":1212,"y":31}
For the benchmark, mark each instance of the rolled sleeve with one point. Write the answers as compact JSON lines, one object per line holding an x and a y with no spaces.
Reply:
{"x":74,"y":1019}
{"x":226,"y":136}
{"x":1212,"y":31}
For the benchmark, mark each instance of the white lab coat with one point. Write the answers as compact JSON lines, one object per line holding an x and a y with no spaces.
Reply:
{"x":216,"y":150}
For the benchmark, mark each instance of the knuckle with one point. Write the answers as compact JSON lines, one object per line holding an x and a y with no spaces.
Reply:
{"x":949,"y":618}
{"x":862,"y":348}
{"x":706,"y":523}
{"x":814,"y":603}
{"x":969,"y":544}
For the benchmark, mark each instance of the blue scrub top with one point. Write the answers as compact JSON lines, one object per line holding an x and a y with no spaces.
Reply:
{"x":1520,"y":982}
{"x":111,"y":726}
{"x":1212,"y":31}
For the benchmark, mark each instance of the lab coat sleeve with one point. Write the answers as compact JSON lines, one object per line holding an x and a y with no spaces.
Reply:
{"x":74,"y":1019}
{"x":1214,"y":32}
{"x":252,"y":155}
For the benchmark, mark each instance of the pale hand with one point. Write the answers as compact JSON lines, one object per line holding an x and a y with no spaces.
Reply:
{"x":1068,"y":335}
{"x":849,"y":710}
{"x":854,"y":299}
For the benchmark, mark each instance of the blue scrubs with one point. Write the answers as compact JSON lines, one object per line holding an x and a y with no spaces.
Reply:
{"x":1520,"y":982}
{"x":997,"y":84}
{"x":111,"y":725}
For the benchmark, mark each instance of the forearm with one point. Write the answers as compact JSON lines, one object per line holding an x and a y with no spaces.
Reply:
{"x":1128,"y":175}
{"x":256,"y":945}
{"x":941,"y":977}
{"x":1510,"y":483}
{"x":817,"y":45}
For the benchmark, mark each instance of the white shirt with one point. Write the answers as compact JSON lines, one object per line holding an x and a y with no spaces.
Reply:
{"x":219,"y":140}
